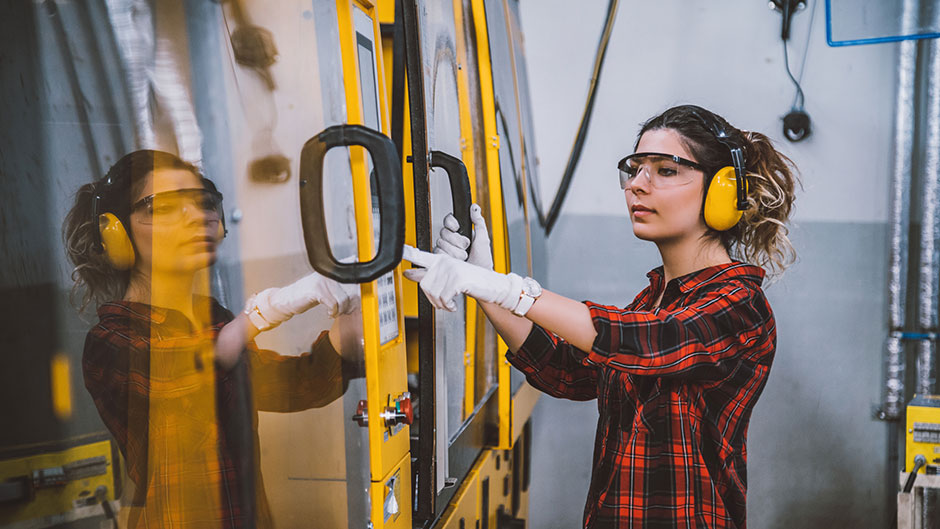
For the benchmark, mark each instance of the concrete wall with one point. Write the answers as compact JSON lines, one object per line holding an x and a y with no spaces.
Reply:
{"x":817,"y":458}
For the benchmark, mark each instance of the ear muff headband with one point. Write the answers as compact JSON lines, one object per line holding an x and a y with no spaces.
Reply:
{"x":209,"y":185}
{"x":726,"y":196}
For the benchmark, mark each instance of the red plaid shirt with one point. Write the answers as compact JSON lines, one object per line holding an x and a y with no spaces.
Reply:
{"x":187,"y":428}
{"x":675,"y":387}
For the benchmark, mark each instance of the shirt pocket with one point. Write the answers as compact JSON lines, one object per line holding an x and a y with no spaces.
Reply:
{"x":649,"y":412}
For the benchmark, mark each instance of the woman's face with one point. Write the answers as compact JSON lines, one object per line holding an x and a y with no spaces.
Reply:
{"x":172,"y":230}
{"x":665,"y":213}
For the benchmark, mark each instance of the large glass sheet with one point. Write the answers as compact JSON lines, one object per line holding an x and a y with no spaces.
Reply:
{"x":539,"y":242}
{"x":852,"y":22}
{"x":86,"y":84}
{"x":484,"y":360}
{"x":509,"y":130}
{"x":443,"y":122}
{"x":511,"y":148}
{"x":58,"y":128}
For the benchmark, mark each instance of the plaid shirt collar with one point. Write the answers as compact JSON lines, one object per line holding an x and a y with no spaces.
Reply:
{"x":693,"y":280}
{"x":142,"y":313}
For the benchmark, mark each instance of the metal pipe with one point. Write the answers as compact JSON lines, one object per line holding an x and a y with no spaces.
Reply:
{"x":930,"y":246}
{"x":893,"y":395}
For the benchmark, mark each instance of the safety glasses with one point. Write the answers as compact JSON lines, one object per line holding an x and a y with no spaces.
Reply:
{"x":171,"y":207}
{"x":661,"y":170}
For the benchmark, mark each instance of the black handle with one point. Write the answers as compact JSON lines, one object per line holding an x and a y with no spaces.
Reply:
{"x":459,"y":187}
{"x":391,"y":203}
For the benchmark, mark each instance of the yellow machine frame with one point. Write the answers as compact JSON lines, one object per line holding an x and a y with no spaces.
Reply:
{"x":386,"y":364}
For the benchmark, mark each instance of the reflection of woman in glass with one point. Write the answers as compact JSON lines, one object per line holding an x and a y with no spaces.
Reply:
{"x":678,"y":371}
{"x":175,"y":376}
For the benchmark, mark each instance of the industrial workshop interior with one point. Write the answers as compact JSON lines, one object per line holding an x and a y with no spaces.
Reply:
{"x":364,"y":264}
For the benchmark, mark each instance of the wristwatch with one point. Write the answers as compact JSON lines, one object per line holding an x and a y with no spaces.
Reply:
{"x":531,"y":290}
{"x":255,"y":317}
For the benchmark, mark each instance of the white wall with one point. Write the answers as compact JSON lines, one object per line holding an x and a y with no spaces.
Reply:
{"x":726,"y":56}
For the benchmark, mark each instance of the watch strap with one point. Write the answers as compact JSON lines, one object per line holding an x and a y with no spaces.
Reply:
{"x":255,"y":316}
{"x":525,"y":303}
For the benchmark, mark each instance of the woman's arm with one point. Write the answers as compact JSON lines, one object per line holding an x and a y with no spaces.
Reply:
{"x":703,"y":340}
{"x":232,"y":339}
{"x":568,"y":319}
{"x":292,"y":383}
{"x":271,"y":307}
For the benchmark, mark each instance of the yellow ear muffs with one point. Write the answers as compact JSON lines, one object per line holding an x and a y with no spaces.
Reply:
{"x":721,"y":210}
{"x":117,"y":245}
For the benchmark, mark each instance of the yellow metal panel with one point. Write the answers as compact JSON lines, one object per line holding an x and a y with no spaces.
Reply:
{"x":407,"y":175}
{"x":56,"y":500}
{"x":504,"y":394}
{"x":523,"y":402}
{"x":386,"y":11}
{"x":402,"y":491}
{"x":923,"y":418}
{"x":386,"y":376}
{"x":498,"y":470}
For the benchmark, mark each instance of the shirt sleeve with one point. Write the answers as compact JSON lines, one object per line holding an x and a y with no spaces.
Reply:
{"x":554,"y":366}
{"x":703,"y":340}
{"x":292,"y":383}
{"x":114,"y":368}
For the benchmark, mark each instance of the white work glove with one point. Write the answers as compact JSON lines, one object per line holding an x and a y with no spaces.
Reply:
{"x":456,"y":245}
{"x":277,"y":305}
{"x":443,"y":278}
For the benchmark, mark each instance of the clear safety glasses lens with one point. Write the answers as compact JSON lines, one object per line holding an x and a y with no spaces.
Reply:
{"x":171,"y":207}
{"x":660,"y":170}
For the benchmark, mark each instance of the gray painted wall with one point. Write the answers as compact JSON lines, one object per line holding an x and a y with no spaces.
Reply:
{"x":817,"y":458}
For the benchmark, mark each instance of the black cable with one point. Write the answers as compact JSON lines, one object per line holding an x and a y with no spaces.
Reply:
{"x":799,"y":97}
{"x":548,"y":221}
{"x":799,"y":89}
{"x":797,"y":123}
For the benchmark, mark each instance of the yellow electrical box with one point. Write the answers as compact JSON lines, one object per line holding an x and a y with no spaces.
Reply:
{"x":57,"y":486}
{"x":923,"y":430}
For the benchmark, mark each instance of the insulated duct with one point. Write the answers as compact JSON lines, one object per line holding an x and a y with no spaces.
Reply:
{"x":893,"y":395}
{"x":930,"y":229}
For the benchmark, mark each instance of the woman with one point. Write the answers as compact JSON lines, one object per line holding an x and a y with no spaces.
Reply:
{"x":175,"y":376}
{"x":677,"y":371}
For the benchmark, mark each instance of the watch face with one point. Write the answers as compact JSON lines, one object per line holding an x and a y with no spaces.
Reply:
{"x":531,"y":287}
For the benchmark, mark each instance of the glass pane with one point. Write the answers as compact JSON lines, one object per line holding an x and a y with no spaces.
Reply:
{"x":539,"y":240}
{"x":140,"y":368}
{"x":439,"y":54}
{"x":509,"y":129}
{"x":511,"y":149}
{"x":485,"y":360}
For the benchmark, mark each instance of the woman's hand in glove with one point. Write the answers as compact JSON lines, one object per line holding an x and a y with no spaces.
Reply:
{"x":277,"y":305}
{"x":456,"y":245}
{"x":443,"y":278}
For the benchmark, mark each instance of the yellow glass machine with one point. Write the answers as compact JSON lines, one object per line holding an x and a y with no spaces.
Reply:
{"x":337,"y":131}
